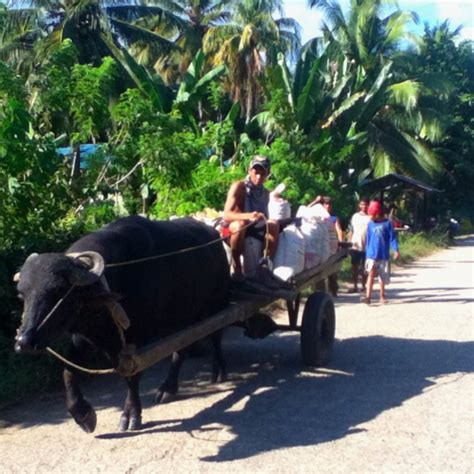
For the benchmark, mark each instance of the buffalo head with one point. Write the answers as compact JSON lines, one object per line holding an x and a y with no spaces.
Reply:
{"x":47,"y":286}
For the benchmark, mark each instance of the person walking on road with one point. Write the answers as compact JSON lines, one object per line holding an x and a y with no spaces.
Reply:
{"x":357,"y":236}
{"x":326,"y":201}
{"x":380,"y":237}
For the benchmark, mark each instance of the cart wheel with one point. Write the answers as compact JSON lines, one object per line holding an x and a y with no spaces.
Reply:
{"x":317,"y":329}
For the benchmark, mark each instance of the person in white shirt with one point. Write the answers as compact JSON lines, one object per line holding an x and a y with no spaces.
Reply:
{"x":357,"y":236}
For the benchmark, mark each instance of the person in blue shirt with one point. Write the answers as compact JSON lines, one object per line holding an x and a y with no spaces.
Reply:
{"x":380,"y":237}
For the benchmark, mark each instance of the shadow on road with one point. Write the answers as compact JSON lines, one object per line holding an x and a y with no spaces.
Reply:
{"x":282,"y":406}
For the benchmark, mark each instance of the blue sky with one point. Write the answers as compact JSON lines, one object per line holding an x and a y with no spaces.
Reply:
{"x":459,"y":12}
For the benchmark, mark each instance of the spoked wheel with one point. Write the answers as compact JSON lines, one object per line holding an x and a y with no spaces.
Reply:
{"x":318,"y":329}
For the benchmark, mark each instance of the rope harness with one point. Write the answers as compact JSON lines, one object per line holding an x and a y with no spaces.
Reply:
{"x":118,"y":314}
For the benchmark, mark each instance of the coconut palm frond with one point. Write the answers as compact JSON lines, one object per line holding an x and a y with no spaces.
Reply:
{"x":406,"y":154}
{"x":133,"y":13}
{"x":177,"y":7}
{"x":381,"y":164}
{"x":396,"y":27}
{"x":405,"y":93}
{"x":437,"y":83}
{"x":135,"y":34}
{"x":426,"y":158}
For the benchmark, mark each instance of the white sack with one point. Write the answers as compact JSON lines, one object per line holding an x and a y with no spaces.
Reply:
{"x":317,"y":247}
{"x":289,"y":257}
{"x":278,"y":208}
{"x":313,"y":213}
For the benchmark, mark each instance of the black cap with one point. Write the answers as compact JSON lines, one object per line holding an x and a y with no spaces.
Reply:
{"x":260,"y":160}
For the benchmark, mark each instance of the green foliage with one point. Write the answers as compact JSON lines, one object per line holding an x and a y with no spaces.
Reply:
{"x":73,"y":98}
{"x":34,"y":190}
{"x":441,"y":55}
{"x":90,"y":100}
{"x":10,"y":84}
{"x":52,"y":90}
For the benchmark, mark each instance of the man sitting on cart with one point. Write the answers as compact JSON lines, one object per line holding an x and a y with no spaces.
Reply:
{"x":246,"y":203}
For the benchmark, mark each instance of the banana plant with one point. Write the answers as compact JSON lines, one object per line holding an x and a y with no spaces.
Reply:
{"x":195,"y":82}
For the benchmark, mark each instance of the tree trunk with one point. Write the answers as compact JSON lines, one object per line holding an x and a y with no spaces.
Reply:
{"x":76,"y":162}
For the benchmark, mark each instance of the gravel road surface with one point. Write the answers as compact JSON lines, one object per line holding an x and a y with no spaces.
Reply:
{"x":397,"y":396}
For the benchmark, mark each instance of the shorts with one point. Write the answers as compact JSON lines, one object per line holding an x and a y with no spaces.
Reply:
{"x":257,"y":231}
{"x":382,"y":268}
{"x":357,"y":257}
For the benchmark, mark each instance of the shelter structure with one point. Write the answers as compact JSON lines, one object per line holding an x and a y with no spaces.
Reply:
{"x":400,"y":184}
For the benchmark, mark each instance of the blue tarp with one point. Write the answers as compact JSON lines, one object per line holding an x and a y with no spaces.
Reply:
{"x":86,"y":150}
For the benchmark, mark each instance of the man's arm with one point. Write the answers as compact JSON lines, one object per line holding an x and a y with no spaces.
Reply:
{"x":234,"y":205}
{"x":393,"y":241}
{"x":339,"y":231}
{"x":351,"y":230}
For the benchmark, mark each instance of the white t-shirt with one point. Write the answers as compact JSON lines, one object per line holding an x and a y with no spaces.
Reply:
{"x":359,"y":223}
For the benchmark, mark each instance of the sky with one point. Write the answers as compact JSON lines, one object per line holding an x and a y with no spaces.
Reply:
{"x":458,"y":12}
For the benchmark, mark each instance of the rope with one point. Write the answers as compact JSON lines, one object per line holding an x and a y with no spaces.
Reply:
{"x":84,"y":369}
{"x":267,"y":240}
{"x":55,"y":307}
{"x":176,"y":252}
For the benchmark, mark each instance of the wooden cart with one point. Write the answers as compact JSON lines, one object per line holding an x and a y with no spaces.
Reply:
{"x":317,"y":326}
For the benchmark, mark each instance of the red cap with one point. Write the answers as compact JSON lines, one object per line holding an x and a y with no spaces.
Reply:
{"x":375,"y":208}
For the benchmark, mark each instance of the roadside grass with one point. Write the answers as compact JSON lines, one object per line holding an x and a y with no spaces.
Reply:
{"x":412,"y":246}
{"x":421,"y":244}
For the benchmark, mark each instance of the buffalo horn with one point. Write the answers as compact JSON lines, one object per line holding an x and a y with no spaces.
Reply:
{"x":16,"y":276}
{"x":94,"y":264}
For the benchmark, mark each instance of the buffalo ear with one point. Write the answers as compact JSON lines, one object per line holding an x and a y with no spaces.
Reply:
{"x":90,"y":269}
{"x":16,"y":276}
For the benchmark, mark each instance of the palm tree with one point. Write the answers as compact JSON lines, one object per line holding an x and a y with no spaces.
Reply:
{"x":363,"y":35}
{"x":248,"y":43}
{"x":92,"y":25}
{"x":185,"y":22}
{"x":382,"y":109}
{"x":18,"y":32}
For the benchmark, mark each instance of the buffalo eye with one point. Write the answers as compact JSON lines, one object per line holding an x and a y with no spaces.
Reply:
{"x":21,"y":297}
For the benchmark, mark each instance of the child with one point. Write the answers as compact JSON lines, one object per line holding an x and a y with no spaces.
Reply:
{"x":380,"y":237}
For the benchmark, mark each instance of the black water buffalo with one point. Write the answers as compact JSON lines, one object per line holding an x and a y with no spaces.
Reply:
{"x":159,"y":296}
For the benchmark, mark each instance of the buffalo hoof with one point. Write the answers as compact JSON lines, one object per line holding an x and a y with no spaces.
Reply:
{"x":88,"y":422}
{"x":133,"y":423}
{"x":164,"y":397}
{"x":123,"y":425}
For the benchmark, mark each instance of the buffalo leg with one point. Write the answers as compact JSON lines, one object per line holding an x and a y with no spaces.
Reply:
{"x":131,"y":418}
{"x":169,"y":388}
{"x":77,"y":406}
{"x":219,"y":373}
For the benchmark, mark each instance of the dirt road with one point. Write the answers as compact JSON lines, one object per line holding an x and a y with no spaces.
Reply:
{"x":397,"y":397}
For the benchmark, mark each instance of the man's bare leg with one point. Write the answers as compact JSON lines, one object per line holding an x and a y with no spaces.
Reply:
{"x":370,"y":285}
{"x":237,"y":242}
{"x":382,"y":291}
{"x":272,"y":237}
{"x":355,"y":276}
